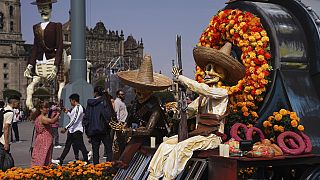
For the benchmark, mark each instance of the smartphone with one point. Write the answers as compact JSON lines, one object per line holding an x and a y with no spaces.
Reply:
{"x":61,"y":104}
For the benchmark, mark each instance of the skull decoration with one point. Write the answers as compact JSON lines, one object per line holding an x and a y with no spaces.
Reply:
{"x":45,"y":11}
{"x":142,"y":95}
{"x":214,"y":73}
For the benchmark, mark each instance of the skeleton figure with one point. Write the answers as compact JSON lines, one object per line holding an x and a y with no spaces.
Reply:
{"x":48,"y":59}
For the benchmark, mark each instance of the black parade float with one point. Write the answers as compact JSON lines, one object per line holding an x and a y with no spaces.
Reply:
{"x":278,"y":42}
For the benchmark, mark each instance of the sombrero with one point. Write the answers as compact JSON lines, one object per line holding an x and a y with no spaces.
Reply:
{"x":205,"y":55}
{"x":43,"y":2}
{"x":144,"y":77}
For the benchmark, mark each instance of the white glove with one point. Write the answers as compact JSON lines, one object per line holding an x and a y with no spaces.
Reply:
{"x":27,"y":72}
{"x":53,"y":73}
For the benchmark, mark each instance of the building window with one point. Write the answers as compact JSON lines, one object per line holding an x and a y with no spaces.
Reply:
{"x":5,"y":65}
{"x":66,"y":37}
{"x":1,"y":21}
{"x":11,"y":26}
{"x":5,"y":76}
{"x":5,"y":86}
{"x":11,"y":11}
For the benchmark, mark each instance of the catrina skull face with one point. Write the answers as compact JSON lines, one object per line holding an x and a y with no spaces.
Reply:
{"x":213,"y":73}
{"x":45,"y":11}
{"x":142,"y":95}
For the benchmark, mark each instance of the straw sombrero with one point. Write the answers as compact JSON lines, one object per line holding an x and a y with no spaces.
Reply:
{"x":145,"y":78}
{"x":43,"y":2}
{"x":205,"y":55}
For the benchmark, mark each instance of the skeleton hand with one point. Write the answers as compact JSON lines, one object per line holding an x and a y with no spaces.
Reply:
{"x":176,"y":71}
{"x":27,"y":72}
{"x":53,"y":73}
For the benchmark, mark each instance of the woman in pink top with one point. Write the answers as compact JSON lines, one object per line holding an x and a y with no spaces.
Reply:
{"x":43,"y":145}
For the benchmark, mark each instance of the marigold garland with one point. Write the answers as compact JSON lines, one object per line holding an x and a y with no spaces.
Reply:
{"x":244,"y":30}
{"x":77,"y":170}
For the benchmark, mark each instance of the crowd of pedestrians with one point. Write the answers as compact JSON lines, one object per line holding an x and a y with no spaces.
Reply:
{"x":93,"y":121}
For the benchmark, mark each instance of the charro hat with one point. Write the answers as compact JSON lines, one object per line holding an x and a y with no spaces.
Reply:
{"x":43,"y":2}
{"x":144,"y":77}
{"x":205,"y":55}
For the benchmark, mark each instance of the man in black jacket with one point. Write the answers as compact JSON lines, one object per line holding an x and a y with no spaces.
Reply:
{"x":97,"y":117}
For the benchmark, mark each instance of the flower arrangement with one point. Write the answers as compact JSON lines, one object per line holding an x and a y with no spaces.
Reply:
{"x":244,"y":30}
{"x":281,"y":121}
{"x":77,"y":170}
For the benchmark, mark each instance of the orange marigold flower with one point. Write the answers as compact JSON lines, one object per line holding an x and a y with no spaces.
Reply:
{"x":281,"y":128}
{"x":278,"y":117}
{"x":270,"y":118}
{"x":283,"y":112}
{"x":244,"y":109}
{"x":276,"y":128}
{"x":265,"y":123}
{"x":301,"y":128}
{"x":254,"y":114}
{"x":245,"y":114}
{"x":294,"y":123}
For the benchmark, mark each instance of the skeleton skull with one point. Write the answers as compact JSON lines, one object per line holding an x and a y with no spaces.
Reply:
{"x":142,"y":95}
{"x":45,"y":11}
{"x":214,"y":73}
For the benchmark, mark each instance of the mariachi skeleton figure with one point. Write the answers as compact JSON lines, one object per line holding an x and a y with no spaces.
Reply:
{"x":209,"y":108}
{"x":48,"y":59}
{"x":211,"y":105}
{"x":146,"y":108}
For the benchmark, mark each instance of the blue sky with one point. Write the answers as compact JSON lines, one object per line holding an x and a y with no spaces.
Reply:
{"x":155,"y":21}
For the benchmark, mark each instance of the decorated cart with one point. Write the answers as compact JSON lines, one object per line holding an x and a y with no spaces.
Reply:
{"x":276,"y":105}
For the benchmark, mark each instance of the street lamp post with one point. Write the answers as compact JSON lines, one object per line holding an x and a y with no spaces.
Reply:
{"x":78,"y":64}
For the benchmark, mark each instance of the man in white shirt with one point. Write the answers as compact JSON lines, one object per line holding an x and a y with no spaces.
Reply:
{"x":75,"y":130}
{"x":120,"y":109}
{"x":13,"y":102}
{"x":15,"y":129}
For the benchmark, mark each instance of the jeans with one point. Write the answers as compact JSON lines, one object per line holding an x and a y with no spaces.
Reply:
{"x":96,"y":141}
{"x":75,"y":138}
{"x":55,"y":133}
{"x":15,"y":130}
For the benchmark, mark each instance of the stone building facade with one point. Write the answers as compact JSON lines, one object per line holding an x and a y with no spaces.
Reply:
{"x":108,"y":50}
{"x":13,"y":51}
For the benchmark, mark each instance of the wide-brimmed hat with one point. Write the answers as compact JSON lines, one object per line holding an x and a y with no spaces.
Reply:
{"x":43,"y":2}
{"x":234,"y":69}
{"x":144,"y":77}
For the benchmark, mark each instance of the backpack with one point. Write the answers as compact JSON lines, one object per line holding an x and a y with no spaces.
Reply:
{"x":97,"y":118}
{"x":2,"y":112}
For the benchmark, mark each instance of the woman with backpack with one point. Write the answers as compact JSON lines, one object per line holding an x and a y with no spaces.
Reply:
{"x":43,"y":144}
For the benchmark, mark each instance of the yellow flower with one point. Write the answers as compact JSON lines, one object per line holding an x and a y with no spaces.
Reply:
{"x":260,"y":57}
{"x":263,"y":33}
{"x":281,"y":128}
{"x":294,"y":123}
{"x":278,"y":117}
{"x":293,"y":115}
{"x":270,"y":118}
{"x":252,"y":39}
{"x":265,"y":39}
{"x":300,"y":128}
{"x":283,"y":112}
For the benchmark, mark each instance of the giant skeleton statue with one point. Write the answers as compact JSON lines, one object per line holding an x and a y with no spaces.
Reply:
{"x":210,"y":108}
{"x":48,"y":59}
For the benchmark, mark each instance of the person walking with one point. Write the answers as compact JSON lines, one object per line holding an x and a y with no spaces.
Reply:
{"x":97,"y":116}
{"x":55,"y":127}
{"x":8,"y":114}
{"x":43,"y":144}
{"x":15,"y":129}
{"x":120,"y":109}
{"x":75,"y":130}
